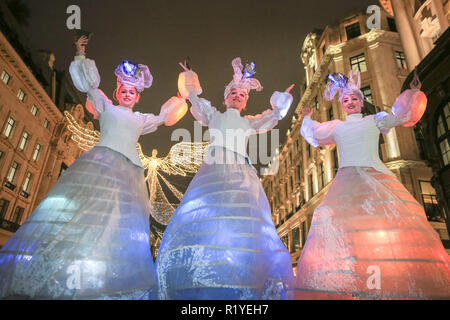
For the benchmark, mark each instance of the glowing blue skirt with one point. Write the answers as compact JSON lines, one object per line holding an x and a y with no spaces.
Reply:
{"x":88,"y":239}
{"x":221,"y":242}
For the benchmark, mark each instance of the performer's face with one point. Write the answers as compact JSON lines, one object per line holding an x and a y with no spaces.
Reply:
{"x":236,"y":99}
{"x":351,"y":103}
{"x":127,"y":96}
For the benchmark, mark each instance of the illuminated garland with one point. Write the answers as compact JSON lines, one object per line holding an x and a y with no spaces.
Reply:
{"x":183,"y":158}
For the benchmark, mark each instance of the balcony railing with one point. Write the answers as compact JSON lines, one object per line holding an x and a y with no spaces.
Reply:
{"x":9,"y":225}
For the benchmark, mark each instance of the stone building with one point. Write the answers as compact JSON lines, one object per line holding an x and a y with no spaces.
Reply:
{"x":35,"y":146}
{"x":423,"y":27}
{"x":304,"y":171}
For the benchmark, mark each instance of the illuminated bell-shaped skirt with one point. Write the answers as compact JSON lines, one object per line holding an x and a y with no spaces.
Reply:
{"x":370,"y":239}
{"x":88,"y":239}
{"x":221,"y":243}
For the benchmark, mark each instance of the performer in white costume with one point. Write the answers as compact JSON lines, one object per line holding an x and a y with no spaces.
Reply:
{"x":221,"y":242}
{"x":369,"y":238}
{"x":89,"y":238}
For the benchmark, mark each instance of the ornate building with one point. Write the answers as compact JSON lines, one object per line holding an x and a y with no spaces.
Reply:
{"x":304,"y":171}
{"x":35,"y":146}
{"x":423,"y":25}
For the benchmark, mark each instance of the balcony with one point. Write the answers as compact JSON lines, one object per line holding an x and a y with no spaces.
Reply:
{"x":9,"y":225}
{"x":24,"y":194}
{"x":9,"y":185}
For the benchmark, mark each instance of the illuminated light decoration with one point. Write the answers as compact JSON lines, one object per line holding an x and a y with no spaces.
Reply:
{"x":411,"y":104}
{"x":338,"y":79}
{"x":249,"y":70}
{"x":175,"y":108}
{"x":184,"y":158}
{"x":130,"y":69}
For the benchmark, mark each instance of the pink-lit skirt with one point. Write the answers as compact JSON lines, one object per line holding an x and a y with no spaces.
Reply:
{"x":370,"y":239}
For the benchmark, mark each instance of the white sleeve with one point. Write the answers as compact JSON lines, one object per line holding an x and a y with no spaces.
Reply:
{"x":86,"y":79}
{"x":201,"y":109}
{"x":318,"y":134}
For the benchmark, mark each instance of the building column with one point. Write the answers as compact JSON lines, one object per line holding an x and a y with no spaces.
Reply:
{"x":443,"y":22}
{"x":406,"y":34}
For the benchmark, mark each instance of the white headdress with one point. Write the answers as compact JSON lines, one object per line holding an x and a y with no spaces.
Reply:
{"x":138,"y":76}
{"x":345,"y":85}
{"x":242,"y":78}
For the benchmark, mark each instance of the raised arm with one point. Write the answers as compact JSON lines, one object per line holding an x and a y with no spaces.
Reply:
{"x":316,"y":133}
{"x":189,"y":88}
{"x":280,"y":102}
{"x":86,"y":78}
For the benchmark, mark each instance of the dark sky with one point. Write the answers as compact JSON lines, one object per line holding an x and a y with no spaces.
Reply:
{"x":160,"y":33}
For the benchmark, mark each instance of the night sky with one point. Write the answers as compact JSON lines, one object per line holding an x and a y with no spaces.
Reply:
{"x":160,"y":33}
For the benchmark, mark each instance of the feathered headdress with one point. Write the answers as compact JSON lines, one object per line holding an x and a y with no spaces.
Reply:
{"x":138,"y":76}
{"x":242,"y":78}
{"x":345,"y":85}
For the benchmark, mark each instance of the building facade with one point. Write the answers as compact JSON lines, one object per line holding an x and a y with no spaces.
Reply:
{"x":304,"y":172}
{"x":35,"y":145}
{"x":423,"y":25}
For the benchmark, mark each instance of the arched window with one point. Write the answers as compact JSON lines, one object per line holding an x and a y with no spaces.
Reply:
{"x":443,"y":133}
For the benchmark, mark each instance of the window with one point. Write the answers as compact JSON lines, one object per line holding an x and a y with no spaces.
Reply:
{"x":308,"y":150}
{"x":21,"y":95}
{"x":303,"y":225}
{"x":18,"y":215}
{"x":367,"y":92}
{"x":316,"y":103}
{"x":311,"y":186}
{"x":401,"y":61}
{"x":37,"y":151}
{"x":9,"y":127}
{"x":330,"y":114}
{"x":34,"y":110}
{"x":391,"y":24}
{"x":335,"y":161}
{"x":285,"y":240}
{"x":4,"y":204}
{"x":353,"y":30}
{"x":5,"y":77}
{"x":12,"y":171}
{"x":443,"y":133}
{"x":46,"y":123}
{"x":358,"y":63}
{"x":295,"y":240}
{"x":26,"y":182}
{"x":429,"y":202}
{"x":24,"y":142}
{"x":298,"y":169}
{"x":322,"y":176}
